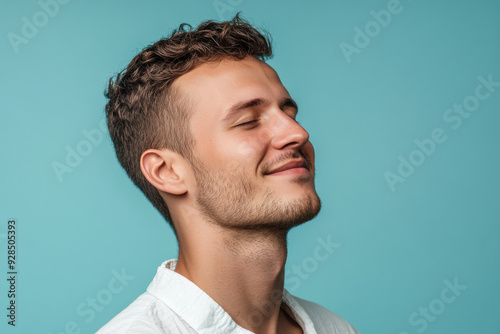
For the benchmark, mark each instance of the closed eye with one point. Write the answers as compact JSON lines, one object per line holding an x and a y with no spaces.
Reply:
{"x":248,"y":123}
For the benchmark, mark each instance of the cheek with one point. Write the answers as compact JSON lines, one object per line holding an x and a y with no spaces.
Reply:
{"x":245,"y":148}
{"x":255,"y":144}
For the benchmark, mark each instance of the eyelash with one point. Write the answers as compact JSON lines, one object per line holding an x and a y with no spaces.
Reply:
{"x":247,"y":123}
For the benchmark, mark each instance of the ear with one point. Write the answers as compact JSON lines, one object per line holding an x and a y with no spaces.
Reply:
{"x":165,"y":170}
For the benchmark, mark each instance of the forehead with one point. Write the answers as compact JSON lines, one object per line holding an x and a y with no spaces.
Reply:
{"x":220,"y":84}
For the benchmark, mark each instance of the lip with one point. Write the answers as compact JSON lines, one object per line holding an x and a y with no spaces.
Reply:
{"x":291,"y":167}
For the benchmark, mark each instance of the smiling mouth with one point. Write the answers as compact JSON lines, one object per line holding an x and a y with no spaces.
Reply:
{"x":297,"y":167}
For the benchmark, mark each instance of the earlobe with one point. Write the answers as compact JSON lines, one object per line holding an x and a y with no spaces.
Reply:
{"x":164,"y":170}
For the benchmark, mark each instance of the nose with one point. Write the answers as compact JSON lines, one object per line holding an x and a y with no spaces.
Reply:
{"x":287,"y":133}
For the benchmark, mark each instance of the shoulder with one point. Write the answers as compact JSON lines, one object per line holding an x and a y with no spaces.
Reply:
{"x":146,"y":314}
{"x":324,"y":320}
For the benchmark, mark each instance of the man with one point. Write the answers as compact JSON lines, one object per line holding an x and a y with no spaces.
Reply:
{"x":204,"y":127}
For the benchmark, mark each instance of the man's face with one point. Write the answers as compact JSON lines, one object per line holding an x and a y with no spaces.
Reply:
{"x":253,"y":163}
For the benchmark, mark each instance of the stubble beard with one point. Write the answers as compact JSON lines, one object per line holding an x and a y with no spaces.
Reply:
{"x":227,"y":199}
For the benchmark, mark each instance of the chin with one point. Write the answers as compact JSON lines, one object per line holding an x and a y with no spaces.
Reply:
{"x":296,"y":212}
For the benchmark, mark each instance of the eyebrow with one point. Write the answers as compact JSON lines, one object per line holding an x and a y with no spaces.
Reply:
{"x":239,"y":107}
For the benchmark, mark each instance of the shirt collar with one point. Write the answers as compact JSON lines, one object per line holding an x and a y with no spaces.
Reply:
{"x":200,"y":311}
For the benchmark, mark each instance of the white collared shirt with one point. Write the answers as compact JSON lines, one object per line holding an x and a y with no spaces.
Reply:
{"x":173,"y":304}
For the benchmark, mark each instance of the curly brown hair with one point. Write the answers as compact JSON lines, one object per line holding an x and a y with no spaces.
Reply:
{"x":145,"y":112}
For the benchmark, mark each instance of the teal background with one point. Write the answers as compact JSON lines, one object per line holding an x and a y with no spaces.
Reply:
{"x":394,"y":249}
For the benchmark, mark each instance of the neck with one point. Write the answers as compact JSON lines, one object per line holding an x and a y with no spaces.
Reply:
{"x":242,"y":270}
